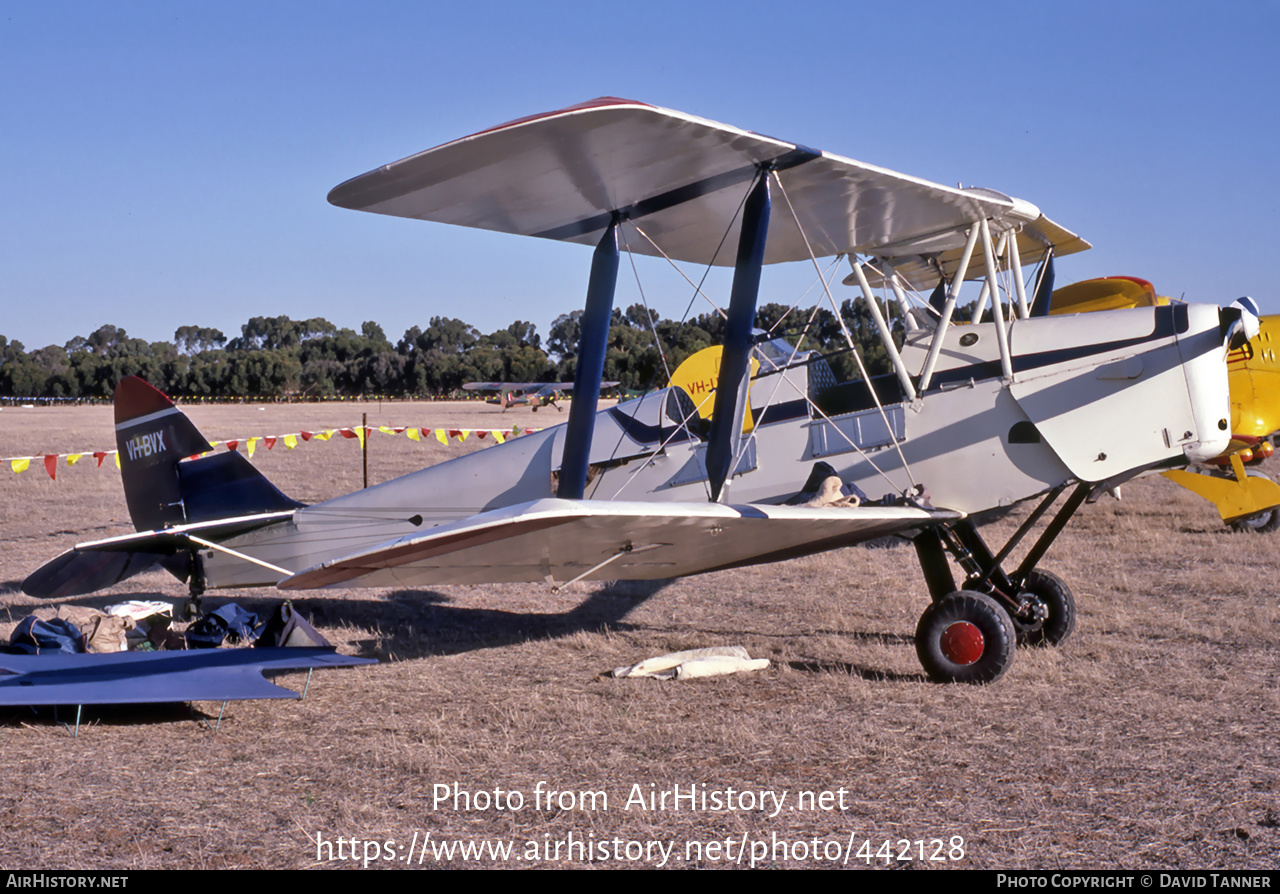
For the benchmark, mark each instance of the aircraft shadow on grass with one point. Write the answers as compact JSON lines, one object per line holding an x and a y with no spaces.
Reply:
{"x":421,"y":624}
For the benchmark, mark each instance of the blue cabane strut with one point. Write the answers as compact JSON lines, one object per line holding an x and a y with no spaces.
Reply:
{"x":596,"y":317}
{"x":734,"y":381}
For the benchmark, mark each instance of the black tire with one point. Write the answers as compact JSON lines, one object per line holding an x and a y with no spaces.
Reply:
{"x":958,"y":617}
{"x":1259,"y":523}
{"x":1058,"y":603}
{"x":1264,"y":522}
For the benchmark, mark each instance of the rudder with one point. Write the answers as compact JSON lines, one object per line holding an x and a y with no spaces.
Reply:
{"x":154,"y":437}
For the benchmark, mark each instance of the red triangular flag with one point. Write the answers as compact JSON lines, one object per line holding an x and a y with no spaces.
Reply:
{"x":270,"y":442}
{"x":99,"y":455}
{"x":51,"y":465}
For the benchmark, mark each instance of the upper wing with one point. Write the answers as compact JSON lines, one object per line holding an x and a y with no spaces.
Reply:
{"x":552,"y":539}
{"x":565,"y":174}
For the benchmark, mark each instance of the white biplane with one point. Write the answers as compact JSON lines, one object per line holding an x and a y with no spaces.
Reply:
{"x":973,"y":416}
{"x":526,"y":394}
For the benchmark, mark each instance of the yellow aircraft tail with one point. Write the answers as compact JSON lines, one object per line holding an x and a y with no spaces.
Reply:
{"x":698,"y":376}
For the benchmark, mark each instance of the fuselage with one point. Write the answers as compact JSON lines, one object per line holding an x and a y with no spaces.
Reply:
{"x":1093,"y":397}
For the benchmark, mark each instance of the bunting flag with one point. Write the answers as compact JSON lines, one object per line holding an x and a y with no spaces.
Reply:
{"x":356,"y":433}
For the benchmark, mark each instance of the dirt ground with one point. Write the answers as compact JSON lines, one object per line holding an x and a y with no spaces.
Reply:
{"x":1148,"y":740}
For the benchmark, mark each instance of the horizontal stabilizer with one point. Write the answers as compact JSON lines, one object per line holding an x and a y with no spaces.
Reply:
{"x":1234,"y":498}
{"x":559,"y":540}
{"x":75,"y":573}
{"x":97,"y":564}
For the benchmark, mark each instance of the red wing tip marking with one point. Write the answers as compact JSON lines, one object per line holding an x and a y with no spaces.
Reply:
{"x":600,"y":102}
{"x":135,"y":397}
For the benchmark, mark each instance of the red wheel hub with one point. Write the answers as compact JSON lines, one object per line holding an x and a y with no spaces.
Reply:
{"x":962,"y":643}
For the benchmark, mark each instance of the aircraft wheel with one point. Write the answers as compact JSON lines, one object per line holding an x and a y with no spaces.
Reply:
{"x":1259,"y":523}
{"x":1056,"y":610}
{"x":965,"y":637}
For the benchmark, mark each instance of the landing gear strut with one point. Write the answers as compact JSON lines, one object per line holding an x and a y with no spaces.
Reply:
{"x":957,"y":639}
{"x":190,"y":608}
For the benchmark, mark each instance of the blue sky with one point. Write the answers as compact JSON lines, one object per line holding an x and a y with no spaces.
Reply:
{"x":167,"y":163}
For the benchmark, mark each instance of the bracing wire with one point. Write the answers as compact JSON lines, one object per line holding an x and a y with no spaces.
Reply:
{"x":862,"y":370}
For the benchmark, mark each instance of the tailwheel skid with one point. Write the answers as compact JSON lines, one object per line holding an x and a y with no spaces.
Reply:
{"x":965,"y":637}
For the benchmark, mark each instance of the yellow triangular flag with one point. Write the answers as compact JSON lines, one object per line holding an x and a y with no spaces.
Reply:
{"x":413,"y":434}
{"x":498,"y":436}
{"x":73,"y":458}
{"x":117,"y":453}
{"x":361,"y":433}
{"x":442,"y":437}
{"x":462,"y":435}
{"x":387,"y":430}
{"x":20,"y":465}
{"x":323,"y":435}
{"x":250,"y":445}
{"x":290,"y":441}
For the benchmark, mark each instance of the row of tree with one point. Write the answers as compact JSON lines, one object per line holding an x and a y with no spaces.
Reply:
{"x":279,"y":358}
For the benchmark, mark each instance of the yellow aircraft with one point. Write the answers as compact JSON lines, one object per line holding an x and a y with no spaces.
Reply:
{"x":1246,"y":499}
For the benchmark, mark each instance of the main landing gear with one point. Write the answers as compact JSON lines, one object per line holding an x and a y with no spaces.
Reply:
{"x":968,"y":634}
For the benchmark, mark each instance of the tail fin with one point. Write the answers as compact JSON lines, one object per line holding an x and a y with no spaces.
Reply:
{"x":162,"y":488}
{"x":154,"y":436}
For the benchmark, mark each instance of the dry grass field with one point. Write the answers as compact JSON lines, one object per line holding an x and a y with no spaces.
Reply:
{"x":1148,"y":740}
